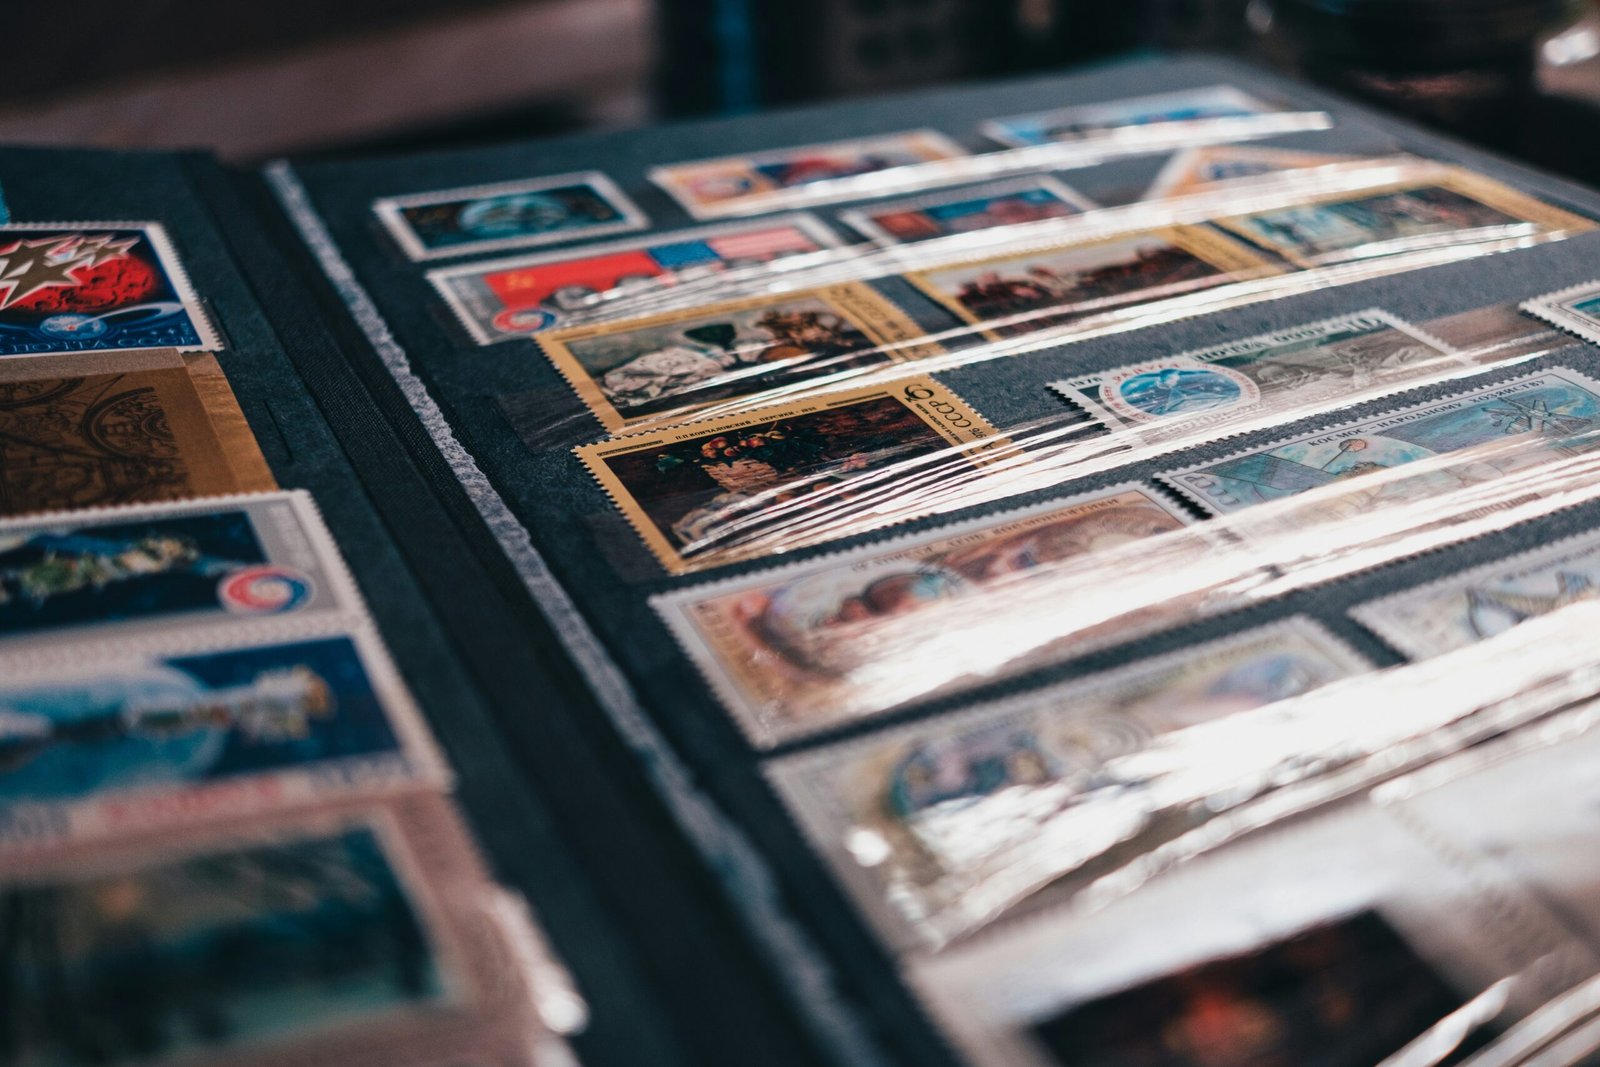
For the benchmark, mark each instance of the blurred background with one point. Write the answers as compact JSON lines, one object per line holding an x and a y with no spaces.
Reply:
{"x":253,"y":80}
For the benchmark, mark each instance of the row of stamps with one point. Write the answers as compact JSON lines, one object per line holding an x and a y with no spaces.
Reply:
{"x":1448,"y":922}
{"x":585,"y":206}
{"x":665,"y":367}
{"x":784,"y":649}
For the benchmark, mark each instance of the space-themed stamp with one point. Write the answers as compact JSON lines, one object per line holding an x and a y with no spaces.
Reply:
{"x":101,"y":740}
{"x":1010,"y":203}
{"x":1463,"y":609}
{"x":491,"y":218}
{"x":1287,"y":374}
{"x":1185,"y":108}
{"x":96,"y":287}
{"x":1547,"y":414}
{"x":142,"y":569}
{"x":778,"y":646}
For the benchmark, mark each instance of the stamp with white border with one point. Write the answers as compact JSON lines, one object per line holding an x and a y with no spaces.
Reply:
{"x":96,"y":287}
{"x":122,"y":571}
{"x":491,"y":218}
{"x":1022,"y":200}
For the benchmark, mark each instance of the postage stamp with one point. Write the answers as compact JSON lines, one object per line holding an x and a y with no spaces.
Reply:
{"x":98,"y":741}
{"x":1478,"y":604}
{"x":1555,"y":411}
{"x":512,"y":298}
{"x":319,"y":940}
{"x":1020,"y":293}
{"x":93,"y":430}
{"x":96,"y":287}
{"x":1576,"y":310}
{"x":767,"y":181}
{"x":1009,"y":203}
{"x":776,"y":647}
{"x":489,"y":218}
{"x":167,"y":566}
{"x":713,"y":493}
{"x":908,"y":817}
{"x":1356,"y":357}
{"x":642,"y":371}
{"x":1073,"y":123}
{"x":1198,"y":170}
{"x":1435,"y":211}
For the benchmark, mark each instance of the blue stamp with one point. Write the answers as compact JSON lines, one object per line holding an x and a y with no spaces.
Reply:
{"x":167,"y":565}
{"x":1077,"y":123}
{"x":247,"y":727}
{"x":1576,"y":310}
{"x":1555,"y":412}
{"x":95,"y":288}
{"x":489,"y":218}
{"x":1013,"y":203}
{"x":207,"y":954}
{"x":1341,"y":361}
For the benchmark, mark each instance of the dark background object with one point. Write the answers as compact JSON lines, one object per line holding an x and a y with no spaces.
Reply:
{"x":1464,"y":65}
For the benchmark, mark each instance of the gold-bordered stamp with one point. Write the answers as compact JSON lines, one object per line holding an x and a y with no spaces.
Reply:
{"x":1045,"y":288}
{"x":660,"y":369}
{"x":789,"y":476}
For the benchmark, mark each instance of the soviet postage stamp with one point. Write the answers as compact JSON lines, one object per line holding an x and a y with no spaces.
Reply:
{"x":1074,"y":123}
{"x":519,"y":296}
{"x":1023,"y":292}
{"x":101,"y":740}
{"x":1009,"y":203}
{"x":646,"y":371}
{"x":1576,"y":310}
{"x":1428,"y":212}
{"x":166,"y":566}
{"x":909,"y":817}
{"x":803,"y":473}
{"x":1478,"y":604}
{"x":96,"y":287}
{"x":778,"y":646}
{"x":768,"y":181}
{"x":1198,"y":170}
{"x":1291,"y":373}
{"x":1555,"y":412}
{"x":490,"y":218}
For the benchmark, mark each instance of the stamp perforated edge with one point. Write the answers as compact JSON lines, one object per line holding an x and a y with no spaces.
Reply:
{"x":346,"y":595}
{"x":672,"y":606}
{"x":1167,"y":478}
{"x":1068,"y":388}
{"x":1552,"y":308}
{"x":668,"y":176}
{"x":171,"y":262}
{"x":388,"y":210}
{"x":861,"y":219}
{"x":1367,"y":612}
{"x":667,"y":556}
{"x":801,"y":781}
{"x":442,"y":277}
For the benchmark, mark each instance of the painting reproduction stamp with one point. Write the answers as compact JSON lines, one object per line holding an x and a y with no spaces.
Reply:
{"x":778,"y":646}
{"x":646,"y":371}
{"x":714,"y":492}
